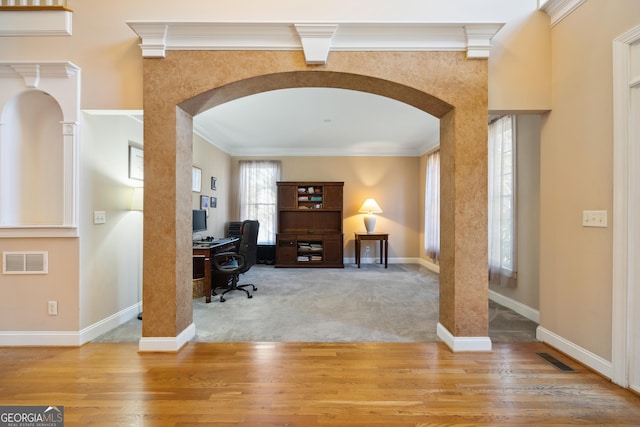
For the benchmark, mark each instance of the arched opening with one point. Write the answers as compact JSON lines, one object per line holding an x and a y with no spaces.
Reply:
{"x":447,"y":86}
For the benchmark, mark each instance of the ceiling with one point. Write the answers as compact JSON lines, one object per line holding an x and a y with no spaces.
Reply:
{"x":318,"y":122}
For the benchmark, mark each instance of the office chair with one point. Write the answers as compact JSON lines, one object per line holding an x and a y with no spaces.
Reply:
{"x":234,"y":264}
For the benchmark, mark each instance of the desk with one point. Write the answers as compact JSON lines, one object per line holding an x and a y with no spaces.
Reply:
{"x":384,"y":245}
{"x":207,"y":250}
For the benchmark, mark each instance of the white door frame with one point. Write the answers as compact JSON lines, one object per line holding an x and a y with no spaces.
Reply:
{"x":626,"y":210}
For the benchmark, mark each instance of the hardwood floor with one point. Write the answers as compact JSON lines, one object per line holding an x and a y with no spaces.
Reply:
{"x":305,"y":384}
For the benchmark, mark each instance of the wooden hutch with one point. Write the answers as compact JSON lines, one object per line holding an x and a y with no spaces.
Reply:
{"x":309,"y":224}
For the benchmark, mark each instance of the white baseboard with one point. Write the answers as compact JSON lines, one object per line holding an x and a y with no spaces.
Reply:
{"x":593,"y":361}
{"x":167,"y":343}
{"x":68,"y":338}
{"x":523,"y":310}
{"x":94,"y":331}
{"x":463,"y":343}
{"x":429,"y":265}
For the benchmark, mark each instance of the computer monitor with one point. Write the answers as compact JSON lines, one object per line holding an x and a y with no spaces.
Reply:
{"x":199,"y":220}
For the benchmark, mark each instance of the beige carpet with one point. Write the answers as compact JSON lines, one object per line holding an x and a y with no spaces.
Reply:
{"x":370,"y":304}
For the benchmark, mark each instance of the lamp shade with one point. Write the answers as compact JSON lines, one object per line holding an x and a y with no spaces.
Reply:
{"x":370,"y":206}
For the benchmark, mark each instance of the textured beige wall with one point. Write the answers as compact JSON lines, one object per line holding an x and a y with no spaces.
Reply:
{"x":214,"y":163}
{"x":433,"y":81}
{"x":576,"y":175}
{"x":392,"y":181}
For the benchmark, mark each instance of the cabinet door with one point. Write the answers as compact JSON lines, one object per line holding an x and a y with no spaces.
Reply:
{"x":286,"y":249}
{"x":287,"y":196}
{"x":333,"y":249}
{"x":332,"y":197}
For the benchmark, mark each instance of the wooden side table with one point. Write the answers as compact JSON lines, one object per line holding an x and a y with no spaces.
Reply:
{"x":384,"y":245}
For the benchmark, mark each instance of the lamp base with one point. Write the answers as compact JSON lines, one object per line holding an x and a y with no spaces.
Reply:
{"x":370,"y":223}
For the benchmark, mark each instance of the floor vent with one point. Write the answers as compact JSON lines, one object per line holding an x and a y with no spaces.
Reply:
{"x":555,"y":362}
{"x":25,"y":263}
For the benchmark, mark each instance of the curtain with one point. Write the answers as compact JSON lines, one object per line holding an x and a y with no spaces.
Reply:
{"x":432,"y":207}
{"x":258,"y":196}
{"x":502,"y":198}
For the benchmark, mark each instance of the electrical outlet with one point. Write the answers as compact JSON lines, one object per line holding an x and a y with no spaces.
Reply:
{"x":99,"y":217}
{"x":594,"y":219}
{"x":52,"y":308}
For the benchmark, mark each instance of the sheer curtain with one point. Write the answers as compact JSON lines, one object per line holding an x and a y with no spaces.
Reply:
{"x":258,"y":196}
{"x":502,"y":198}
{"x":432,"y":207}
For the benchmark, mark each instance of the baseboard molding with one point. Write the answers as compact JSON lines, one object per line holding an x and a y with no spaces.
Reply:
{"x":457,"y":344}
{"x":376,"y":260}
{"x":593,"y":361}
{"x":68,"y":338}
{"x":94,"y":331}
{"x":167,"y":344}
{"x":523,"y":310}
{"x":429,"y":265}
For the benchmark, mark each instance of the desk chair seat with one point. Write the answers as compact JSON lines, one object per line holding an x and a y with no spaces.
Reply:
{"x":233,"y":264}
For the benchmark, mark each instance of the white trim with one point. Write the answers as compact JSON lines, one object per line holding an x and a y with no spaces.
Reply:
{"x":68,"y":338}
{"x":625,"y":222}
{"x":168,"y":343}
{"x":580,"y":354}
{"x":105,"y":325}
{"x":560,"y":9}
{"x":457,"y":344}
{"x":159,"y":36}
{"x":522,"y":309}
{"x":44,"y":23}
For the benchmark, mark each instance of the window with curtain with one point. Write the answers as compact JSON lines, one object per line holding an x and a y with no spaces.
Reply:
{"x":432,"y":207}
{"x":502,"y":202}
{"x":258,"y":196}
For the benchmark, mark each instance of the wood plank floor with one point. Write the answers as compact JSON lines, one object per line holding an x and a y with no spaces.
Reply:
{"x":306,"y":384}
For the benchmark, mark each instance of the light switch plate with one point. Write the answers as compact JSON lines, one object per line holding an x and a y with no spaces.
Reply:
{"x":594,"y":219}
{"x":99,"y":217}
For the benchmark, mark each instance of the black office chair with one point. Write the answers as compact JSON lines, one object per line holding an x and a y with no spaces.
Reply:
{"x":234,"y":264}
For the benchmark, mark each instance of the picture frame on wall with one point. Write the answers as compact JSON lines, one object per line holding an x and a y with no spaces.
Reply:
{"x":214,"y":202}
{"x":136,"y":163}
{"x":214,"y":183}
{"x":204,"y":202}
{"x":196,"y":179}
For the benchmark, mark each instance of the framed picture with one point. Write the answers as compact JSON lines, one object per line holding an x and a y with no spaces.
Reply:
{"x":196,"y":179}
{"x":214,"y":202}
{"x":136,"y":163}
{"x":214,"y":183}
{"x":204,"y":202}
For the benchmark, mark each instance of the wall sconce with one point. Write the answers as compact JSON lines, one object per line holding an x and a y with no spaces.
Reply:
{"x":370,"y":207}
{"x":137,"y":199}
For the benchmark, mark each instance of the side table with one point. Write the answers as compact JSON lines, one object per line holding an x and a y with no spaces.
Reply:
{"x":384,"y":245}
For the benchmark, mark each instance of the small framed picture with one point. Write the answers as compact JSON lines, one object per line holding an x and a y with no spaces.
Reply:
{"x":196,"y":179}
{"x":204,"y":202}
{"x":214,"y":183}
{"x":214,"y":202}
{"x":136,"y":163}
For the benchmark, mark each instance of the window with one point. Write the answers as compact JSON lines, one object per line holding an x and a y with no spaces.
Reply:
{"x":258,"y":196}
{"x":502,"y":201}
{"x":432,"y":207}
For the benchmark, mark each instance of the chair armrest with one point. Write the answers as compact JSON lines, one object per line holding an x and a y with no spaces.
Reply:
{"x":228,"y":262}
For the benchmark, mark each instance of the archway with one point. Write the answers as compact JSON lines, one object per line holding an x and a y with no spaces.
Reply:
{"x":444,"y":84}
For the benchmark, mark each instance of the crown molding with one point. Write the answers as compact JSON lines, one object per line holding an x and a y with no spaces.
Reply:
{"x":31,"y":72}
{"x":48,"y":22}
{"x":560,"y":9}
{"x":317,"y":40}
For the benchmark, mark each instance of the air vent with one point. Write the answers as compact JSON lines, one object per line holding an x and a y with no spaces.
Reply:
{"x":24,"y":263}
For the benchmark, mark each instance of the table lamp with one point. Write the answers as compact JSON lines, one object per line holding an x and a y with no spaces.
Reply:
{"x":370,"y":207}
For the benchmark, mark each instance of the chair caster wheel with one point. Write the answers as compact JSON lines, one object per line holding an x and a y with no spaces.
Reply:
{"x":249,"y":296}
{"x":222,"y":299}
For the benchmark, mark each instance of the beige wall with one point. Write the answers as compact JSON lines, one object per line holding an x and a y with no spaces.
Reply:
{"x":576,"y":175}
{"x":392,"y":181}
{"x":214,"y":163}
